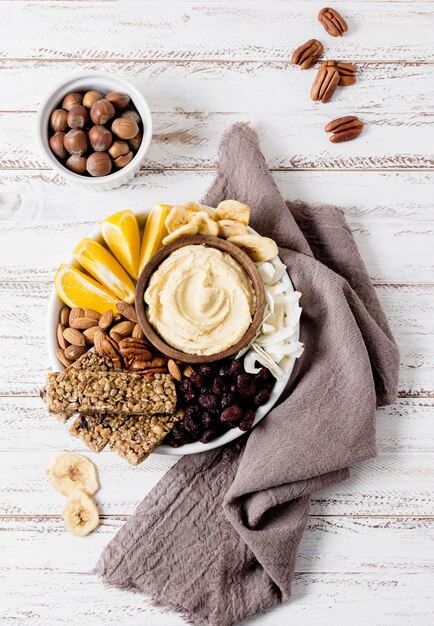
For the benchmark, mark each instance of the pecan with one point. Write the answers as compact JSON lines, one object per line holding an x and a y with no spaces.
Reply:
{"x":140,"y":363}
{"x":324,"y":84}
{"x":344,"y":128}
{"x":347,"y":72}
{"x":333,"y":23}
{"x":307,"y":55}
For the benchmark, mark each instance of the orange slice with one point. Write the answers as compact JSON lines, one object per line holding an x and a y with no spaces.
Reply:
{"x":78,"y":289}
{"x":121,"y":234}
{"x":155,"y":231}
{"x":103,"y":266}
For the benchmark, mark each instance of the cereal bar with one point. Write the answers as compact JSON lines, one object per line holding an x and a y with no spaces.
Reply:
{"x":140,"y":435}
{"x":91,"y":391}
{"x":95,"y":430}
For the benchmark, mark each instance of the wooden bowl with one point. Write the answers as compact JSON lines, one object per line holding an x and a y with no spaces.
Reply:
{"x":214,"y":242}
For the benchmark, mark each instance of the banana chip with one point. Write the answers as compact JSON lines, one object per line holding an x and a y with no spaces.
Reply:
{"x":70,"y":471}
{"x":80,"y":513}
{"x":229,"y":228}
{"x":258,"y":248}
{"x":183,"y":231}
{"x":233,"y":210}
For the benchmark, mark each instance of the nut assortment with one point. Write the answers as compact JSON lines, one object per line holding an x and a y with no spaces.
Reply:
{"x":94,"y":134}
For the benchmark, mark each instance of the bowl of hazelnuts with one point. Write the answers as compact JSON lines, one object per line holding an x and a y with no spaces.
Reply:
{"x":95,"y":130}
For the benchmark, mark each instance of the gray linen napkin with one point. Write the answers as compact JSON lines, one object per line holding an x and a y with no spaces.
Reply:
{"x":217,"y":538}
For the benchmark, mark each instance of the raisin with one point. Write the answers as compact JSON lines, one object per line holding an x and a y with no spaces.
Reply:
{"x":235,"y":367}
{"x":197,"y":379}
{"x":208,"y":400}
{"x":205,"y":370}
{"x":227,"y":400}
{"x":218,"y":386}
{"x":246,"y":385}
{"x":185,"y":386}
{"x":208,"y":435}
{"x":262,"y":397}
{"x":192,"y":427}
{"x":207,"y":419}
{"x":247,"y":421}
{"x":224,"y":370}
{"x":231,"y":415}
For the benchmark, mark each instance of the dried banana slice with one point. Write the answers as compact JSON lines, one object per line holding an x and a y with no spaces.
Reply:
{"x":183,"y":231}
{"x":80,"y":513}
{"x":205,"y":224}
{"x":233,"y":210}
{"x":258,"y":248}
{"x":70,"y":471}
{"x":230,"y":228}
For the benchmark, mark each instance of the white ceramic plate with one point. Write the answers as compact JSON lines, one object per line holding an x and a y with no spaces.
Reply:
{"x":54,"y":308}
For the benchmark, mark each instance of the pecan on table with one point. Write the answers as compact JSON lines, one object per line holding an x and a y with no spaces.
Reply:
{"x":347,"y":72}
{"x":344,"y":128}
{"x":307,"y":55}
{"x":333,"y":23}
{"x":324,"y":84}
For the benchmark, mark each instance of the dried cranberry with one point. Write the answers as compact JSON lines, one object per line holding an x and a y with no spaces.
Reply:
{"x":208,"y":435}
{"x":231,"y":415}
{"x":235,"y":367}
{"x":247,"y":421}
{"x":208,"y":400}
{"x":227,"y":400}
{"x":218,"y":386}
{"x":246,"y":384}
{"x":262,"y":397}
{"x":205,"y":370}
{"x":197,"y":379}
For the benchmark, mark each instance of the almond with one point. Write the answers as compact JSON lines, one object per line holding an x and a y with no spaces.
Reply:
{"x":127,"y":310}
{"x":188,"y":371}
{"x":174,"y":370}
{"x":106,"y":319}
{"x":98,"y":340}
{"x":74,"y":337}
{"x":124,"y":329}
{"x":60,"y":338}
{"x":74,"y":313}
{"x":138,"y":332}
{"x":64,"y":316}
{"x":83,"y":322}
{"x":89,"y":333}
{"x":92,"y":313}
{"x":111,"y":352}
{"x":62,"y":358}
{"x":74,"y":352}
{"x":116,"y":336}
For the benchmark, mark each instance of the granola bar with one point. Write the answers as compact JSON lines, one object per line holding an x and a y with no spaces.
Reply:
{"x":95,"y":430}
{"x":111,"y":392}
{"x":139,"y":436}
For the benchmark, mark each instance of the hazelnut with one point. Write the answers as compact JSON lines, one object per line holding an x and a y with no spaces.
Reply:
{"x":101,"y":112}
{"x":135,"y":142}
{"x":76,"y":164}
{"x":99,"y":164}
{"x":77,"y":117}
{"x":131,"y":114}
{"x":100,"y":138}
{"x":119,"y":148}
{"x":125,"y":128}
{"x":90,"y":97}
{"x":76,"y":142}
{"x":59,"y":120}
{"x":57,"y":145}
{"x":119,"y":100}
{"x":123,"y":160}
{"x":71,"y":100}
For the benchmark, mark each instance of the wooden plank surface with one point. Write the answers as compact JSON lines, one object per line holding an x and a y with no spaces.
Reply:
{"x":366,"y":556}
{"x":389,"y":213}
{"x":212,"y":30}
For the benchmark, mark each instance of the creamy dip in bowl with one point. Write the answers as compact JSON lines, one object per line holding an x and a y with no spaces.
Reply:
{"x":200,"y":300}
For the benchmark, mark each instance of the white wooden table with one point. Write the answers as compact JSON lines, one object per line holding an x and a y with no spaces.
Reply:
{"x":368,"y":554}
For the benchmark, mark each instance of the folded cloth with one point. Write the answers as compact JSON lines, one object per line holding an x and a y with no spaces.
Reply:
{"x":217,"y":538}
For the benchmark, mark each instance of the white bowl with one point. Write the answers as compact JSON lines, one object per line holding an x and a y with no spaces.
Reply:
{"x":104,"y":83}
{"x":54,"y":308}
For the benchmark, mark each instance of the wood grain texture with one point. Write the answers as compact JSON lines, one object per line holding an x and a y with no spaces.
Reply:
{"x":190,"y":140}
{"x":387,"y":599}
{"x":390,"y":214}
{"x":38,"y":543}
{"x":212,"y":31}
